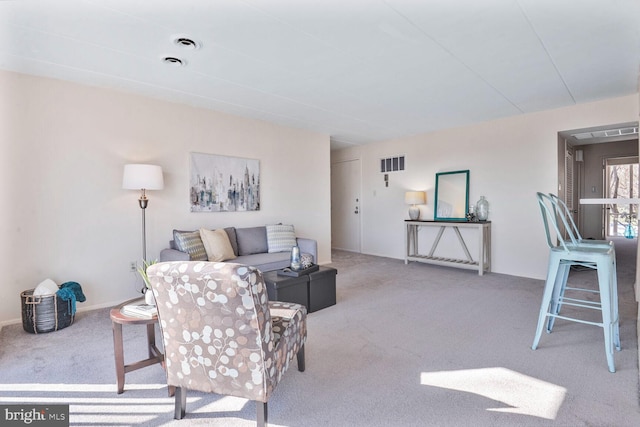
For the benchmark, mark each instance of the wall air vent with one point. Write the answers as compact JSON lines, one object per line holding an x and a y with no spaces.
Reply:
{"x":392,"y":164}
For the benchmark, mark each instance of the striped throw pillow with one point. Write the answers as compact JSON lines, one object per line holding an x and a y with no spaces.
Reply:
{"x":191,"y":243}
{"x":280,"y":238}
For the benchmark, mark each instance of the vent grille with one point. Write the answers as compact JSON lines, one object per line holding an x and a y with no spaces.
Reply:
{"x":568,"y":185}
{"x":609,"y":133}
{"x":392,"y":164}
{"x":186,"y":42}
{"x":172,"y":60}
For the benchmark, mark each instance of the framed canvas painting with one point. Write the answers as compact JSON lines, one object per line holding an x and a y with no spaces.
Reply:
{"x":224,"y":184}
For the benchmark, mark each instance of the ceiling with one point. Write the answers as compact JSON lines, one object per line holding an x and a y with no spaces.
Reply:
{"x":360,"y":71}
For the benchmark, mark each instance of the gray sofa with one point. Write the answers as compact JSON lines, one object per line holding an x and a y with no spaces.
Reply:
{"x":251,"y":246}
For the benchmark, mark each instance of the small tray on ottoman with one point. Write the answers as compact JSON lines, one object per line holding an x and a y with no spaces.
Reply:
{"x":297,"y":273}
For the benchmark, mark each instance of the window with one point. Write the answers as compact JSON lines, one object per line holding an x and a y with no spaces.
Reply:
{"x":621,"y":181}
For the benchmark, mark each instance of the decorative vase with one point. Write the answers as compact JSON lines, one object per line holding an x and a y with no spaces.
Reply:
{"x":295,"y":258}
{"x":149,"y":299}
{"x":482,"y":209}
{"x":628,"y":231}
{"x":306,"y":260}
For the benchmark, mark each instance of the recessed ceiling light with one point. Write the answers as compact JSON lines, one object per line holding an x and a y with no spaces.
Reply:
{"x":172,"y":60}
{"x":186,"y":42}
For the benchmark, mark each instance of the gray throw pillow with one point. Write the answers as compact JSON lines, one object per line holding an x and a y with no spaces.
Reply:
{"x":252,"y":240}
{"x":231,"y":232}
{"x":191,"y":243}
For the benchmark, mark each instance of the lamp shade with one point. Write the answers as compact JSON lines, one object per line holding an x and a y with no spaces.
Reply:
{"x":415,"y":197}
{"x":139,"y":177}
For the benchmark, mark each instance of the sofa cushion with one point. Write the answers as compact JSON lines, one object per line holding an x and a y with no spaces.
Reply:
{"x":231,"y":232}
{"x":280,"y":238}
{"x":252,"y":240}
{"x":191,"y":243}
{"x":217,"y":245}
{"x":266,"y":261}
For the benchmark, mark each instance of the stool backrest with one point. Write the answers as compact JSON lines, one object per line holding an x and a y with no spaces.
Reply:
{"x":561,"y":209}
{"x":551,"y":212}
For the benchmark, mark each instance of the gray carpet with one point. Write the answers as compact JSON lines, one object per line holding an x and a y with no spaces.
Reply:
{"x":406,"y":345}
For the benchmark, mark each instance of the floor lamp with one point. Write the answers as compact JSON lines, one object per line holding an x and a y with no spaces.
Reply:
{"x":142,"y":177}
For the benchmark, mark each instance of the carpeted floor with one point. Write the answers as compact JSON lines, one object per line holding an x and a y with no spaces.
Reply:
{"x":406,"y":345}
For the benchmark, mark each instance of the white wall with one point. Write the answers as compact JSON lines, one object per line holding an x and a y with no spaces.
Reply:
{"x":509,"y":161}
{"x":65,"y":216}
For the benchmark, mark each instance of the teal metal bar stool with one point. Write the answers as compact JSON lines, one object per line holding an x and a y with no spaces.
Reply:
{"x":562,"y":255}
{"x":564,"y":214}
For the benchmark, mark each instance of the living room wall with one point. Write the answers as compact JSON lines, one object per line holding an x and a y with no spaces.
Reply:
{"x":509,"y":161}
{"x":65,"y":215}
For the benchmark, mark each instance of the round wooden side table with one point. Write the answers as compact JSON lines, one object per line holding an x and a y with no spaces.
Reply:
{"x":117,"y":320}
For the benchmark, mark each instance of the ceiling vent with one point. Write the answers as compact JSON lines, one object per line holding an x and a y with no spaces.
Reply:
{"x":172,"y":60}
{"x":607,"y":133}
{"x":186,"y":42}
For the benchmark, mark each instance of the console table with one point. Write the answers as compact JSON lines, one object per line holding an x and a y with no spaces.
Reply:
{"x":483,"y":261}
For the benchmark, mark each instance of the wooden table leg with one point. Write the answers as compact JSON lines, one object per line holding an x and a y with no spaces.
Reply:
{"x":151,"y":339}
{"x":118,"y":353}
{"x":154,"y":352}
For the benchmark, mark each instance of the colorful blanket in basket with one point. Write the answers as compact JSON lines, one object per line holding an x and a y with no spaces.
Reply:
{"x":71,"y":291}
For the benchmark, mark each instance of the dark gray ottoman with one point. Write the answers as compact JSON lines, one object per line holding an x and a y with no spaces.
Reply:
{"x":287,"y":289}
{"x":322,"y":288}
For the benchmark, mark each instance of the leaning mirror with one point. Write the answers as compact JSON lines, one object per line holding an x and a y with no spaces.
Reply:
{"x":452,"y":196}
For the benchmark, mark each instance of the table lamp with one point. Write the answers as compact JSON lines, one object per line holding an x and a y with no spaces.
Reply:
{"x":414,"y":198}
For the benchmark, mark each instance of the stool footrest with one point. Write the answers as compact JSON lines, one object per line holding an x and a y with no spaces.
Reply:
{"x":595,"y":305}
{"x":573,"y":319}
{"x":593,"y":291}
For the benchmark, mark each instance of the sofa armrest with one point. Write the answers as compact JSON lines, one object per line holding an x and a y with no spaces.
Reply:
{"x":308,"y":246}
{"x":173,"y":255}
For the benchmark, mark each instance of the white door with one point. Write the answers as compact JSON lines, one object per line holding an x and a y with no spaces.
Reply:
{"x":345,"y":205}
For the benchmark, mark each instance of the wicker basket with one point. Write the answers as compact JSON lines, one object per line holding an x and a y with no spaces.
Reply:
{"x":44,"y":313}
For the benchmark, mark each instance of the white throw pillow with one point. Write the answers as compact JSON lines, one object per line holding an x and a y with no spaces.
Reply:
{"x":217,"y":245}
{"x":46,"y":287}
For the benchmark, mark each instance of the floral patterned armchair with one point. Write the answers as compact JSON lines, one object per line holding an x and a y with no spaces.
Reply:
{"x":220,"y":332}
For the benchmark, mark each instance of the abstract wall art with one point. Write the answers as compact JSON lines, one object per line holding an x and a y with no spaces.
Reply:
{"x":224,"y":184}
